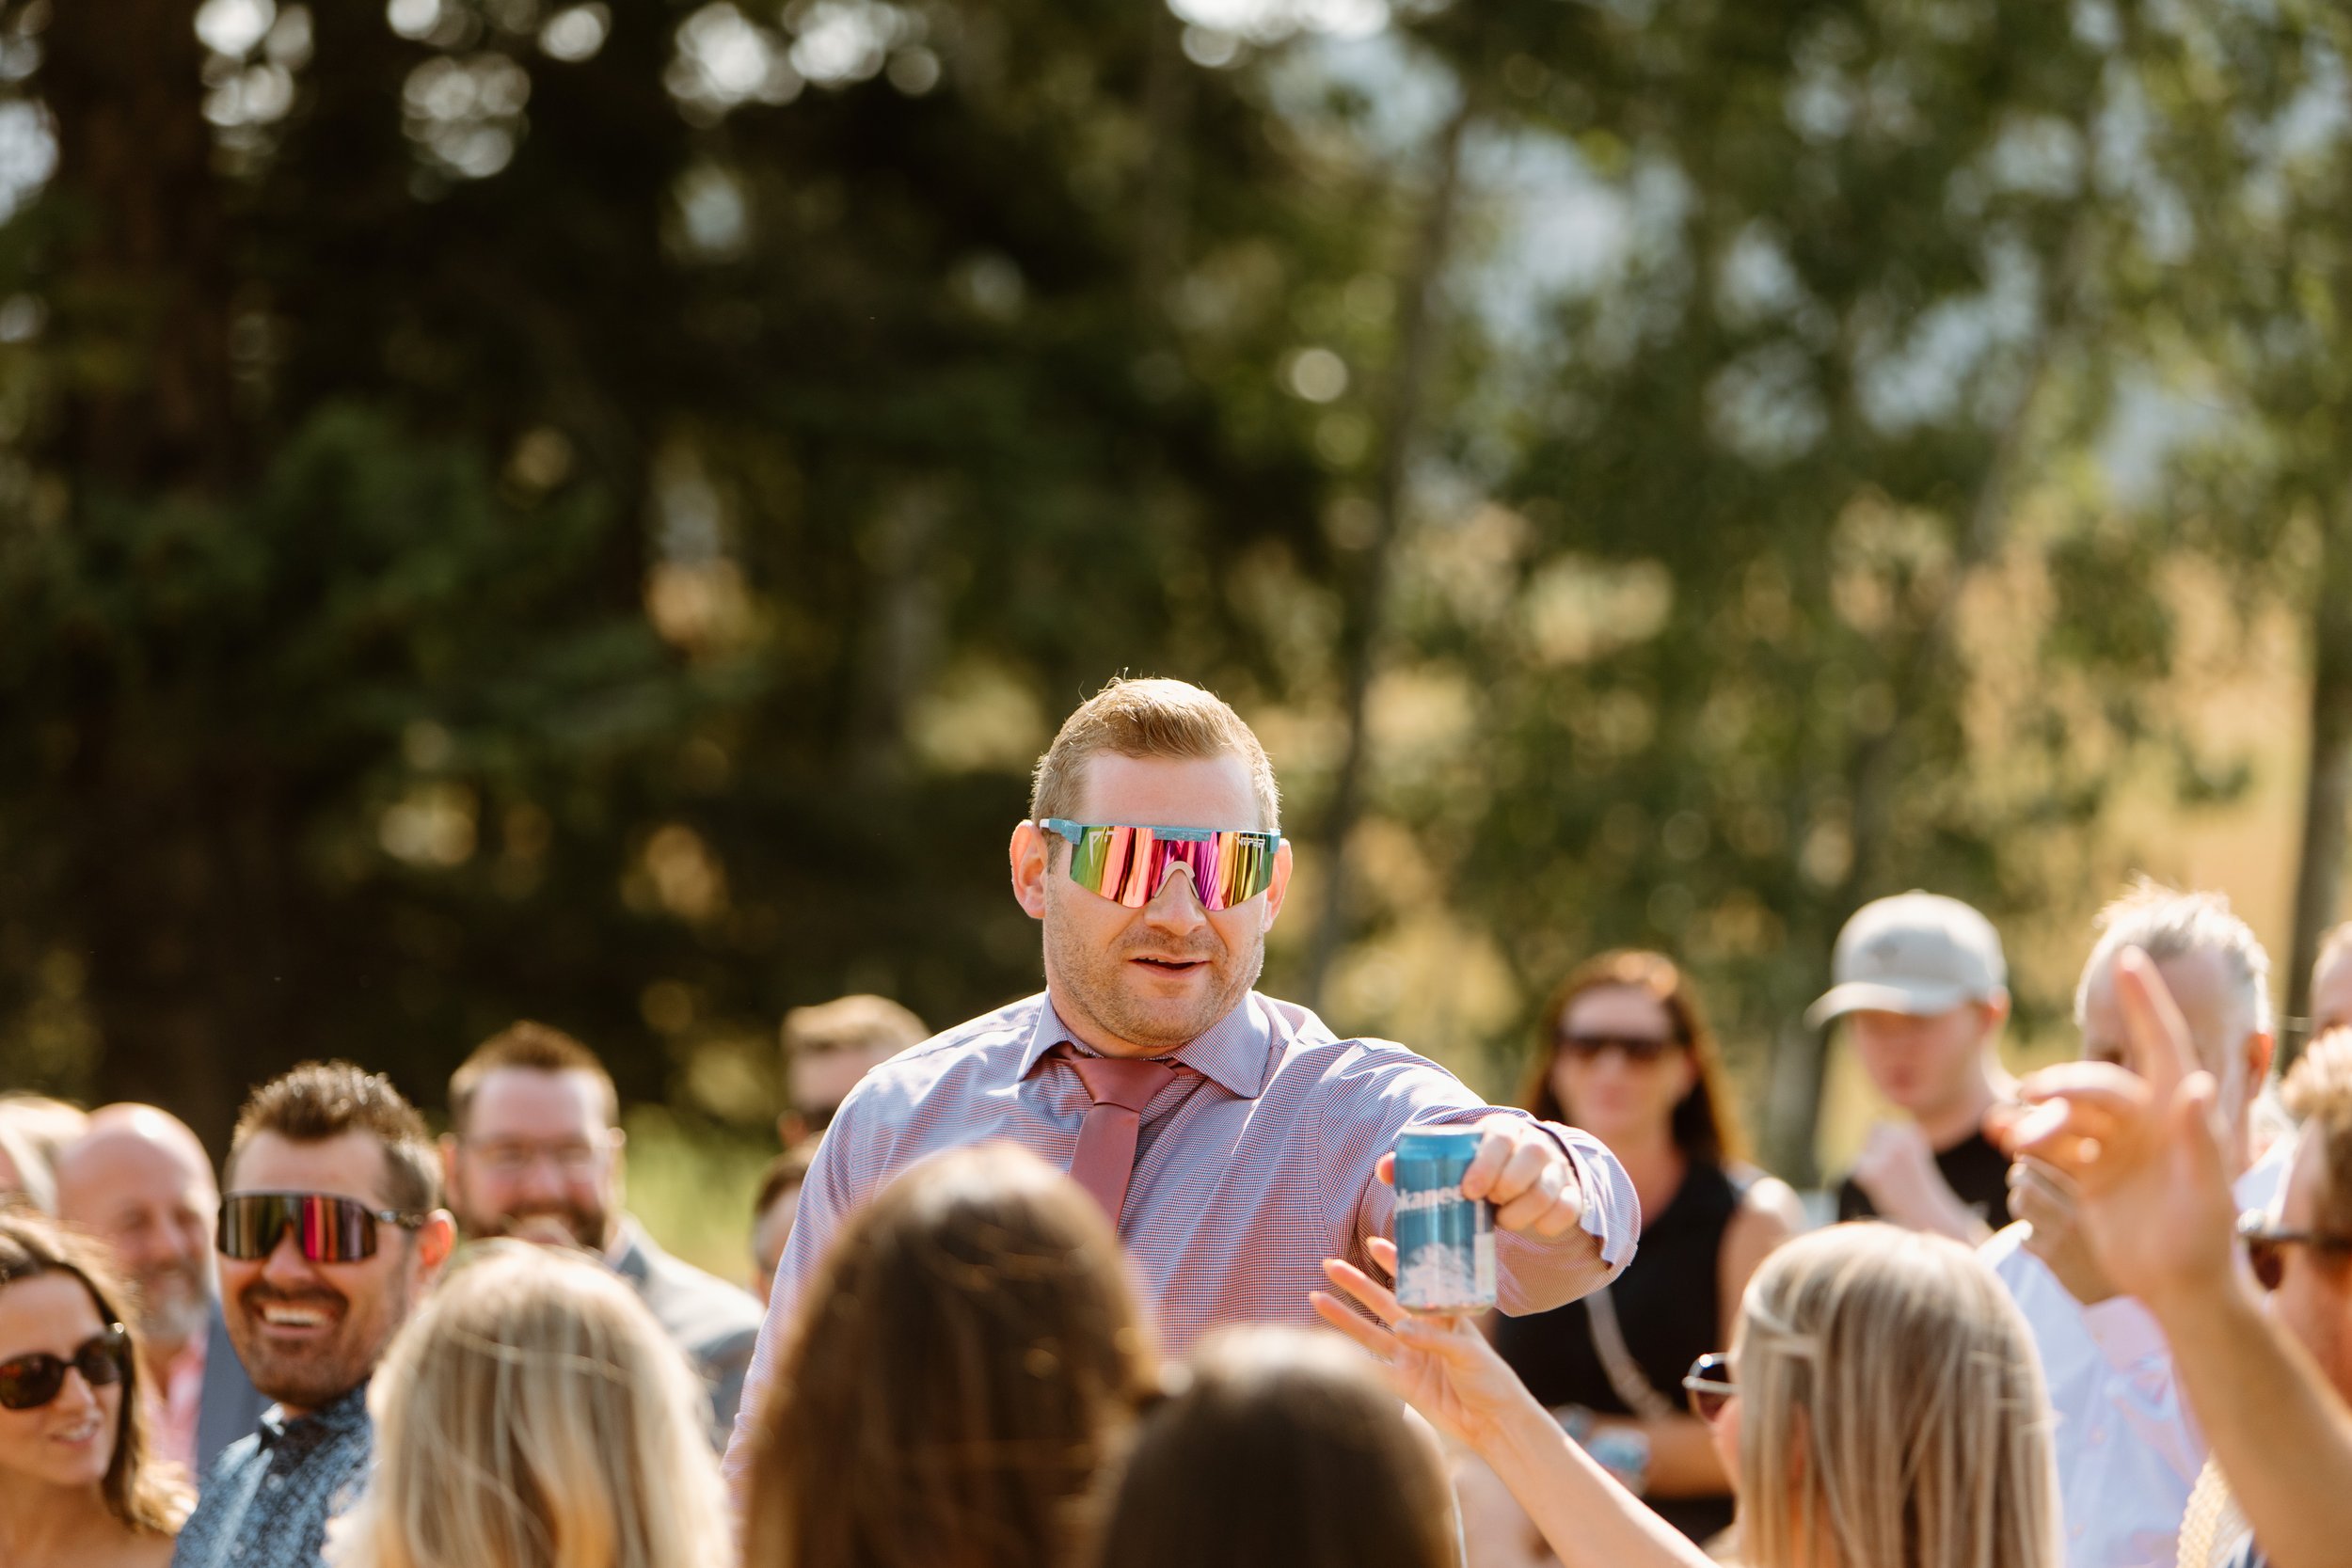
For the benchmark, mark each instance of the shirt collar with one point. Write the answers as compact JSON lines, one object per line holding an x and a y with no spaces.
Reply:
{"x":1232,"y":1053}
{"x":346,"y":1414}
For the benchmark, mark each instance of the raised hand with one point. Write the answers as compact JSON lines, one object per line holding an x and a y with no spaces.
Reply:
{"x":2141,"y":1146}
{"x":1440,"y":1365}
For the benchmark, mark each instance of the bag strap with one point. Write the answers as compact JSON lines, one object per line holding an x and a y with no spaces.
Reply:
{"x":1632,"y":1386}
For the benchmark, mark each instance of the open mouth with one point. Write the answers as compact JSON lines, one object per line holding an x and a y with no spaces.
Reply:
{"x":1169,"y":966}
{"x":81,"y":1432}
{"x":292,"y":1318}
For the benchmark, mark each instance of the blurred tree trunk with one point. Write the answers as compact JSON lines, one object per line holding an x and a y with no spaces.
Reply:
{"x":2327,"y":790}
{"x":141,"y":277}
{"x":1801,"y":1055}
{"x":176,"y":864}
{"x":1401,"y":416}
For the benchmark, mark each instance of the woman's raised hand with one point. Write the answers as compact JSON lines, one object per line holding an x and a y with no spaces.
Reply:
{"x":1440,"y":1365}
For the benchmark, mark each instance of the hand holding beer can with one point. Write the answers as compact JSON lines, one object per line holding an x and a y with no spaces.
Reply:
{"x":1445,"y":1243}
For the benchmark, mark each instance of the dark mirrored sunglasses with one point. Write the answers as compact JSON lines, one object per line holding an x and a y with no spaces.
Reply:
{"x":326,"y":1228}
{"x":1637,"y":1048}
{"x":1710,"y":1385}
{"x":1129,"y":864}
{"x":2266,"y":1245}
{"x":29,"y":1382}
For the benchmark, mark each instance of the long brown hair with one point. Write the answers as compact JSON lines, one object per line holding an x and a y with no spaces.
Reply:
{"x":1706,"y":1123}
{"x":967,"y":1353}
{"x":144,"y":1497}
{"x":1282,"y":1450}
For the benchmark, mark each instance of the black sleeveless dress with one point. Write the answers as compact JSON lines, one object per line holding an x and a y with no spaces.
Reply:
{"x":1666,"y":1303}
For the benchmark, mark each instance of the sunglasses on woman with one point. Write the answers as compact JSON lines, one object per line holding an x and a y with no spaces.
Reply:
{"x":28,"y":1382}
{"x":327,"y":1230}
{"x":1710,"y":1385}
{"x":1129,"y":864}
{"x":2266,"y":1246}
{"x":1637,"y":1048}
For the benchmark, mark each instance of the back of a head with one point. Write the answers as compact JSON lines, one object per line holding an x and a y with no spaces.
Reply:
{"x":1890,"y":1370}
{"x":967,"y":1350}
{"x":533,"y":1414}
{"x":1282,"y":1450}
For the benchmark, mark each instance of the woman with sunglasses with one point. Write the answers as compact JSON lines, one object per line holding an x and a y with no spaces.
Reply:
{"x":76,"y":1485}
{"x":1881,"y":1405}
{"x":1626,"y":1054}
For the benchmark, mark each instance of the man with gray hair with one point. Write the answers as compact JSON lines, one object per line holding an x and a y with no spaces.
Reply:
{"x":2128,"y":1453}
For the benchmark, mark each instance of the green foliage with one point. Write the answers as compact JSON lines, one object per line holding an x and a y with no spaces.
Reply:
{"x":599,"y":532}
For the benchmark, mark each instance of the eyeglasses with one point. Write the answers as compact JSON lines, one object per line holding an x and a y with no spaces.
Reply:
{"x":1637,"y":1048}
{"x":328,"y":1229}
{"x":29,"y":1382}
{"x":1710,"y":1385}
{"x":1129,"y":864}
{"x":2266,"y":1246}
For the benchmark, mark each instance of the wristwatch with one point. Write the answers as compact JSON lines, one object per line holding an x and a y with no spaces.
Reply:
{"x":1621,"y":1450}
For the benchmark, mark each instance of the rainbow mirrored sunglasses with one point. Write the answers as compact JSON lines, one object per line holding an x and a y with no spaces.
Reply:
{"x":1129,"y":864}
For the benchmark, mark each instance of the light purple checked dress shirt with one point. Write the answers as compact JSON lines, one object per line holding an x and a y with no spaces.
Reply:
{"x":1250,"y":1169}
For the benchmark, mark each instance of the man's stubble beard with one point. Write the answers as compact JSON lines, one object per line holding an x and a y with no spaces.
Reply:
{"x":170,"y":1318}
{"x":314,"y":1381}
{"x":1093,"y":979}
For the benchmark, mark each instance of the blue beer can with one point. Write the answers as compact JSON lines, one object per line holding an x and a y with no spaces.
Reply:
{"x":1445,"y":1243}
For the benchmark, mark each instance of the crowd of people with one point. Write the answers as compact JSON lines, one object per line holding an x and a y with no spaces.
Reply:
{"x":1098,"y":1280}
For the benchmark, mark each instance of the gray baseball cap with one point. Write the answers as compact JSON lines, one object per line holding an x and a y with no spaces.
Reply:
{"x":1916,"y":953}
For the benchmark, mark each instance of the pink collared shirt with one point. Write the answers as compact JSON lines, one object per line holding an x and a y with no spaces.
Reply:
{"x":175,"y":1401}
{"x":1250,"y":1170}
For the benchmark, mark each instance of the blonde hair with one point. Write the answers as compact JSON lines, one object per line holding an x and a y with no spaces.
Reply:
{"x":1149,"y":719}
{"x":34,"y":1131}
{"x":535,"y":1416}
{"x":2319,"y":1094}
{"x":1891,"y":1410}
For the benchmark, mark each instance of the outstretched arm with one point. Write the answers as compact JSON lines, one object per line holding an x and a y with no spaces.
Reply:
{"x":2156,"y":1204}
{"x":1443,"y":1368}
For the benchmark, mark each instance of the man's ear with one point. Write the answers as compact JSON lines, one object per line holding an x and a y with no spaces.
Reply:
{"x":2259,"y":1049}
{"x":1031,"y":855}
{"x":1278,"y":888}
{"x":436,"y":1238}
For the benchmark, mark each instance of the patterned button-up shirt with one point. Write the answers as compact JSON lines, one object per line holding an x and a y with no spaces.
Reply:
{"x":269,"y":1496}
{"x":1250,"y":1168}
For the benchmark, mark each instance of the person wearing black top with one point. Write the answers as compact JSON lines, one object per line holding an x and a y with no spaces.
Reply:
{"x":1922,"y":987}
{"x":1626,"y":1054}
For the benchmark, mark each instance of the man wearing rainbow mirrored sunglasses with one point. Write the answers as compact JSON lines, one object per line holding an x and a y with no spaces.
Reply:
{"x":1234,"y":1138}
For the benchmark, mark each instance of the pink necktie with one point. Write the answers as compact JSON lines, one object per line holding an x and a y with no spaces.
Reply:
{"x":1120,"y":1087}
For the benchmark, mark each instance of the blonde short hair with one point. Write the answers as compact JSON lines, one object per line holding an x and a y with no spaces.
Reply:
{"x":2318,"y":1095}
{"x":533,"y":1414}
{"x":1149,"y":718}
{"x":1893,"y":1372}
{"x":2165,"y":922}
{"x":861,"y":1023}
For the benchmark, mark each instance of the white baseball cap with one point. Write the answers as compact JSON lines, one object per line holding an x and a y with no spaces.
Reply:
{"x":1916,"y":953}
